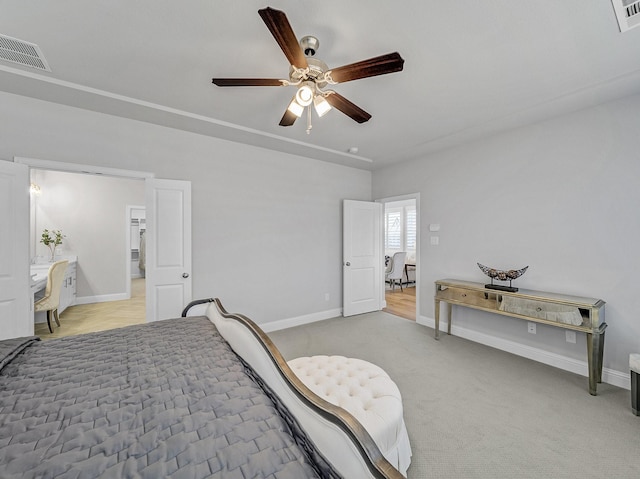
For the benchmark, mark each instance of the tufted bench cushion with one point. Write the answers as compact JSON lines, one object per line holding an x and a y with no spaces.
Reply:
{"x":368,"y":393}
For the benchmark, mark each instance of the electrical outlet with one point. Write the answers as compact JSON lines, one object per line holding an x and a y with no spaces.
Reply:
{"x":326,"y":296}
{"x":531,"y":327}
{"x":571,"y":336}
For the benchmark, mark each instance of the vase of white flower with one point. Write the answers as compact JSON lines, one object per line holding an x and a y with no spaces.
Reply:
{"x":52,"y":239}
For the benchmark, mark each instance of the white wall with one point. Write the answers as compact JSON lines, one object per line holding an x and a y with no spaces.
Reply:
{"x":560,"y":196}
{"x":267,"y":227}
{"x":90,"y":211}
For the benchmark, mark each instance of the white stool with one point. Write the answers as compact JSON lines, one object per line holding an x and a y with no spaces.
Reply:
{"x":634,"y":366}
{"x":367,"y":392}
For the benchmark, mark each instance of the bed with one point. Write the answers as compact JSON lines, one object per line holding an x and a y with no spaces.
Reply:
{"x":204,"y":395}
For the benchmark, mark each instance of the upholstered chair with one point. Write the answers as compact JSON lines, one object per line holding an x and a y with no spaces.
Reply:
{"x":51,"y":299}
{"x":394,"y":272}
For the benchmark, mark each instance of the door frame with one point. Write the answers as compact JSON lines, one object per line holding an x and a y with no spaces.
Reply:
{"x":129,"y":244}
{"x":416,"y":197}
{"x":34,"y":163}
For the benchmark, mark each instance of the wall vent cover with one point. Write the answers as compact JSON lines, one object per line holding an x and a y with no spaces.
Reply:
{"x":628,"y":13}
{"x":23,"y":53}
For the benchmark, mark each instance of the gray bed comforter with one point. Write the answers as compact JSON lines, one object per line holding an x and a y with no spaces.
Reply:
{"x":167,"y":399}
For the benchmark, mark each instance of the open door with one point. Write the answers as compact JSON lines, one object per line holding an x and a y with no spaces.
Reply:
{"x":15,"y":298}
{"x":168,"y":247}
{"x":363,"y":258}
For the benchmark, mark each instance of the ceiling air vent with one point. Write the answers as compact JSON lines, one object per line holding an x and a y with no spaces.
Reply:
{"x":23,"y":53}
{"x":628,"y":13}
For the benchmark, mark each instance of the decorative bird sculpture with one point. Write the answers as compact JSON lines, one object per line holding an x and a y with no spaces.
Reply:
{"x":502,"y":275}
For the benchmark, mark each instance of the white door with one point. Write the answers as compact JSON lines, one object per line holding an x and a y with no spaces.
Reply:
{"x":15,"y":294}
{"x":362,"y":257}
{"x":168,"y":247}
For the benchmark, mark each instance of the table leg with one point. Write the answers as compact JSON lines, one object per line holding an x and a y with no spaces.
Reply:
{"x":601,"y":356}
{"x":450,"y":312}
{"x":595,"y":351}
{"x":635,"y":393}
{"x":593,"y":384}
{"x":437,"y":315}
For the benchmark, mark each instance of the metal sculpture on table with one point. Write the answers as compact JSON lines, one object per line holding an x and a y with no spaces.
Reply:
{"x":502,"y":275}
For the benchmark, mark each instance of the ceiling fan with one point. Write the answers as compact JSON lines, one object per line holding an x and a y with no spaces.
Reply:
{"x":311,"y":76}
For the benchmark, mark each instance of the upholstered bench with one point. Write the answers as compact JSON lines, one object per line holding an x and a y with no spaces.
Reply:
{"x":367,"y":392}
{"x":634,"y":366}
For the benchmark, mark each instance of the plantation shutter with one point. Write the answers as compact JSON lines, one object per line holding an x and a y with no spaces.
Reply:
{"x":410,"y":228}
{"x":393,"y":229}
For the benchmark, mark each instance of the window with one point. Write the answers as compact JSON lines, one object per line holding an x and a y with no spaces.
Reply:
{"x":400,"y":228}
{"x":410,"y":228}
{"x":393,"y":229}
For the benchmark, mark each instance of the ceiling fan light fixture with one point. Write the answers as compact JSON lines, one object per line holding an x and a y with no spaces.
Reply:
{"x":304,"y":95}
{"x":295,"y":108}
{"x":322,"y":106}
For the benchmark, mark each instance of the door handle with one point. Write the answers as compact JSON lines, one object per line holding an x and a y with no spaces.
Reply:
{"x":347,"y":264}
{"x":185,"y":275}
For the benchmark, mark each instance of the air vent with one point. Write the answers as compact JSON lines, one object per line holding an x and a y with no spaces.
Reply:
{"x":23,"y":53}
{"x":628,"y":13}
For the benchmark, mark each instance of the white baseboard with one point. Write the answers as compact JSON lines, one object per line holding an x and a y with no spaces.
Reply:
{"x":103,"y":298}
{"x":609,"y":376}
{"x":300,"y":320}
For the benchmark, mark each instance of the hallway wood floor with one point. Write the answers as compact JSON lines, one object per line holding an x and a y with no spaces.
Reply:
{"x":86,"y":318}
{"x":401,"y":303}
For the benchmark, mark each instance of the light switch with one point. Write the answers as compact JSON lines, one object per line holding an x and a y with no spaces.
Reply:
{"x":435,"y":240}
{"x":434,"y":227}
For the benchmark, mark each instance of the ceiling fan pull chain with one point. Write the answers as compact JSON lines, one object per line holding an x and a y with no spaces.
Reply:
{"x":309,"y":120}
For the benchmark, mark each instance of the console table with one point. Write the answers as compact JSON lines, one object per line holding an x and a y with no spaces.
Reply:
{"x":568,"y":312}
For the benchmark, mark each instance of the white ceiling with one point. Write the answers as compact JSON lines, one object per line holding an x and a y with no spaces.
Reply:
{"x":472,"y":68}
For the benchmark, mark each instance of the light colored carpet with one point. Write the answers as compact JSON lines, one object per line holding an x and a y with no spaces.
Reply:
{"x":476,"y":412}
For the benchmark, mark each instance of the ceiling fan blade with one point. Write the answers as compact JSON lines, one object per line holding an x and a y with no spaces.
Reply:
{"x":247,"y":82}
{"x":389,"y":63}
{"x":345,"y":106}
{"x":281,"y":30}
{"x":288,"y":118}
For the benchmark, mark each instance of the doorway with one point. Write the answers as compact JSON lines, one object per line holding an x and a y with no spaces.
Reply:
{"x":136,"y":221}
{"x":89,"y":210}
{"x":168,"y":212}
{"x":401,"y":240}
